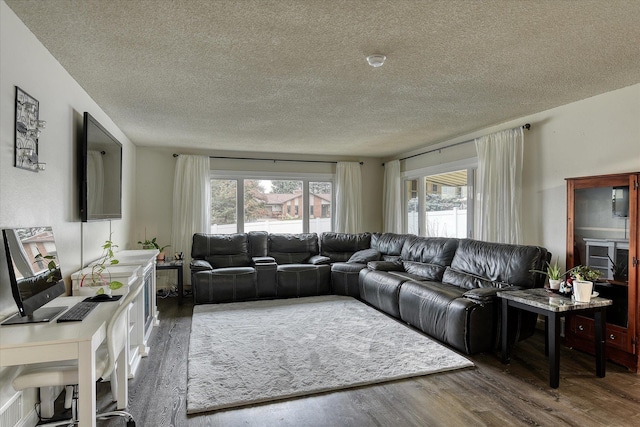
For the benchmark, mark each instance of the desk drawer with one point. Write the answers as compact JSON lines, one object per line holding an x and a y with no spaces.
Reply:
{"x":582,"y":327}
{"x":616,"y":337}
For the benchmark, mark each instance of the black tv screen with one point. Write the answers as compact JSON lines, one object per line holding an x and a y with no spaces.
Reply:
{"x":100,"y":170}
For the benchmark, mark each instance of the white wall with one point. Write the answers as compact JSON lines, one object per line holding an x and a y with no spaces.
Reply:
{"x":49,"y":197}
{"x":595,"y":136}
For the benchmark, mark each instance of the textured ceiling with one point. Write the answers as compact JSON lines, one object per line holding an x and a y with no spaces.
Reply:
{"x":291,"y":76}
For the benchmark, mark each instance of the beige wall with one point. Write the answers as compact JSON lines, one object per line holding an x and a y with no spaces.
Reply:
{"x":595,"y":136}
{"x":155,"y":168}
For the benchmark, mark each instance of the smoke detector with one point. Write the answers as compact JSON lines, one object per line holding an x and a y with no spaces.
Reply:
{"x":376,"y":60}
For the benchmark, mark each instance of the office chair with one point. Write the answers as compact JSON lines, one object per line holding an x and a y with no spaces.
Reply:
{"x":65,"y":373}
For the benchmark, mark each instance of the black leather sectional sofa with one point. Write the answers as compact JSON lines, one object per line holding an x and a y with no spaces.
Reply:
{"x":442,"y":286}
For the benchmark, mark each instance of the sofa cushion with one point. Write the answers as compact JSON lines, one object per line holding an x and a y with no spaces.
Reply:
{"x":385,"y":265}
{"x":364,"y":256}
{"x":390,"y":244}
{"x":496,"y":262}
{"x":340,"y":246}
{"x":469,"y":281}
{"x":292,"y":248}
{"x":431,"y":250}
{"x":424,"y":270}
{"x":258,"y":243}
{"x":439,"y":310}
{"x":222,"y":250}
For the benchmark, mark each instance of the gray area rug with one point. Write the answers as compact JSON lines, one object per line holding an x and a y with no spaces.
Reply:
{"x":252,"y":352}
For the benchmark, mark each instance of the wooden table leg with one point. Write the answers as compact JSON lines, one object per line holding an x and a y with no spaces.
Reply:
{"x":600,"y":327}
{"x":553,"y":338}
{"x":505,"y":335}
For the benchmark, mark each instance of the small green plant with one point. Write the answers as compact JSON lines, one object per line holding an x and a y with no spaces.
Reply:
{"x":97,"y":276}
{"x":152,"y":244}
{"x":584,"y":272}
{"x":618,"y":270}
{"x":54,"y":271}
{"x":553,"y":271}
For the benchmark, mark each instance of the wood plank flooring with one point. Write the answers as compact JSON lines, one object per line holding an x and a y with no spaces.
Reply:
{"x":491,"y":394}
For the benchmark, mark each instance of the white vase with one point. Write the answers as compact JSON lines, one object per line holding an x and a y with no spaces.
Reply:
{"x":582,"y":291}
{"x":554,"y":284}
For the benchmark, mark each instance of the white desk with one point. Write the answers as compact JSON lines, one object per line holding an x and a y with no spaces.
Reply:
{"x":52,"y":341}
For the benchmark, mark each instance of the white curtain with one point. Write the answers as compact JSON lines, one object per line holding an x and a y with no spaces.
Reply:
{"x":348,"y":198}
{"x":95,"y":182}
{"x":499,"y":186}
{"x":191,"y":205}
{"x":392,"y":197}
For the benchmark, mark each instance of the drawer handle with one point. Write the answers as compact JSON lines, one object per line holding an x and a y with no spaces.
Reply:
{"x":612,"y":337}
{"x":580,"y":328}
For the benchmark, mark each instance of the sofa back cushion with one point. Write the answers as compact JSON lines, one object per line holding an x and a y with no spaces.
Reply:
{"x":479,"y":264}
{"x":431,"y":250}
{"x":341,"y":246}
{"x":424,"y":271}
{"x":258,"y":241}
{"x":292,"y":248}
{"x":390,"y":244}
{"x":222,"y":250}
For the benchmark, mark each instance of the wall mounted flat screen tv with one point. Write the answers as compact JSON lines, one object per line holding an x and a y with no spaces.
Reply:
{"x":100,"y":172}
{"x":34,"y":272}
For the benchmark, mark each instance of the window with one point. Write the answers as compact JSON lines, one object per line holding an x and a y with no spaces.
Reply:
{"x":320,"y":206}
{"x":224,"y":209}
{"x":446,"y":212}
{"x":440,"y":204}
{"x":273,"y":205}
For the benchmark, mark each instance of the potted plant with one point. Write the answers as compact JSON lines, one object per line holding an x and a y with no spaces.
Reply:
{"x":153,"y":244}
{"x":99,"y":277}
{"x":584,"y":276}
{"x":619,"y":270}
{"x":554,"y":274}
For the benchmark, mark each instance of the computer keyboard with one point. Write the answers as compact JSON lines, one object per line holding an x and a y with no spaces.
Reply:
{"x":78,"y":312}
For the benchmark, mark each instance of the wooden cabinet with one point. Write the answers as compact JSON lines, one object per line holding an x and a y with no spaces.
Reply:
{"x":603,"y":232}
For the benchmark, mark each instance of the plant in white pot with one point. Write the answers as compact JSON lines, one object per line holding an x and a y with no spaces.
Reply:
{"x":99,"y":278}
{"x":583,"y":278}
{"x":554,"y":274}
{"x":153,"y":244}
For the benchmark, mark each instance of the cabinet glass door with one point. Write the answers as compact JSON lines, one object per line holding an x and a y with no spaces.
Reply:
{"x":601,"y":241}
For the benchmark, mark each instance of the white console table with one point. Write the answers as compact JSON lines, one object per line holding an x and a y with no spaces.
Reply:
{"x":135,"y":268}
{"x":52,"y":341}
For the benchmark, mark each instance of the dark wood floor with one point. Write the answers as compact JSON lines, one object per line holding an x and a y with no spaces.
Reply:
{"x":490,"y":394}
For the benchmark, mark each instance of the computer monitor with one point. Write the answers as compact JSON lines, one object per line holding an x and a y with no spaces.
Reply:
{"x":34,"y":272}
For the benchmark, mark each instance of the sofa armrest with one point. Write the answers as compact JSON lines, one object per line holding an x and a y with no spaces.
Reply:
{"x":319,"y":260}
{"x":200,"y":265}
{"x":488,"y":294}
{"x":257,"y":260}
{"x":385,"y":266}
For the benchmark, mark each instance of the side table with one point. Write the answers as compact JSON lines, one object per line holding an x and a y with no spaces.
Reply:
{"x":554,"y":307}
{"x":174,"y":265}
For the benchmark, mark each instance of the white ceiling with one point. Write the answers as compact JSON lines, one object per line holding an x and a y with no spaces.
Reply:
{"x":291,"y":76}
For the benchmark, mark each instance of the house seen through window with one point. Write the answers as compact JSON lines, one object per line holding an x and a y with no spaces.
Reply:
{"x":273,"y":205}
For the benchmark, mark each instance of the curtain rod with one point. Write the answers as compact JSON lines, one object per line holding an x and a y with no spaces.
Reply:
{"x":526,"y":126}
{"x":270,"y":160}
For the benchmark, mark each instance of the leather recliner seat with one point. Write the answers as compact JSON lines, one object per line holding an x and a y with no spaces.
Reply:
{"x":222,"y":269}
{"x":301,"y":270}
